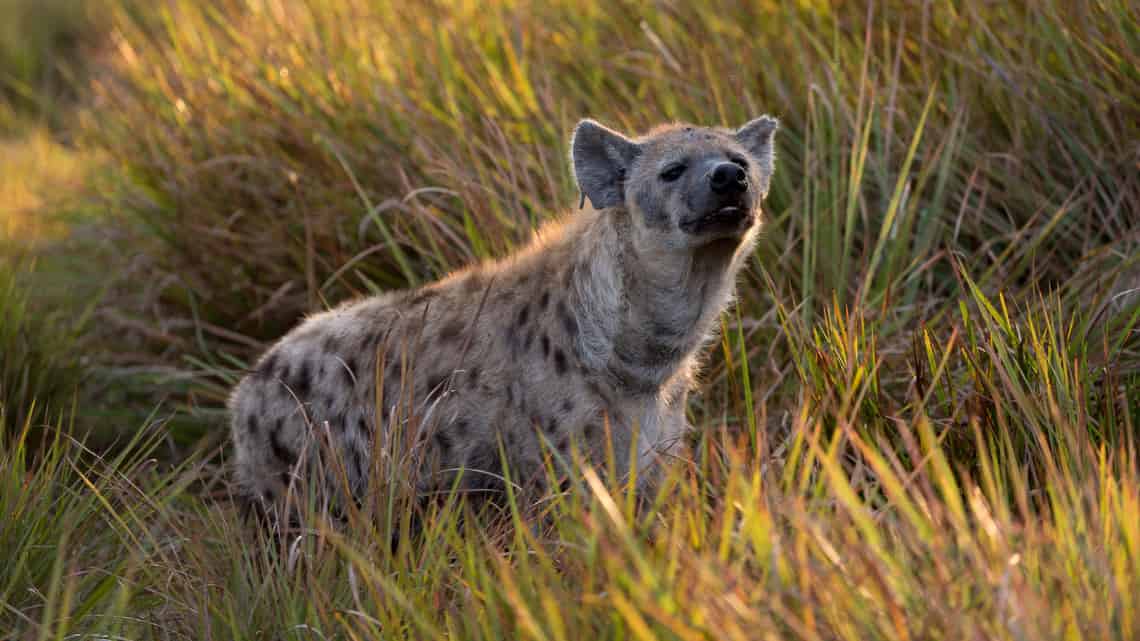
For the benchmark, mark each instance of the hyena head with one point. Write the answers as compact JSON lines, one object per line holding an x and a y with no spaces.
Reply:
{"x":684,"y":186}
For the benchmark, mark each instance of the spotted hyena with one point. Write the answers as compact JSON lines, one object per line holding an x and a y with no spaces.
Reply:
{"x":590,"y":334}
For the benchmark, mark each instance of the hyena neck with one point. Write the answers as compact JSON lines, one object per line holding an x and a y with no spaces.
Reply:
{"x":644,"y":313}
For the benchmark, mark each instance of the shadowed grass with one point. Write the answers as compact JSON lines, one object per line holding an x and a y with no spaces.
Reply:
{"x":919,"y":421}
{"x":75,"y":533}
{"x":40,"y":369}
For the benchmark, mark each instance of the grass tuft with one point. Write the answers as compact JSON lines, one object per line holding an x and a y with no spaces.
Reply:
{"x":919,"y":421}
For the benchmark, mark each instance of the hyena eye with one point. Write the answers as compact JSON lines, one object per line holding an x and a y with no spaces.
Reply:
{"x":673,"y":172}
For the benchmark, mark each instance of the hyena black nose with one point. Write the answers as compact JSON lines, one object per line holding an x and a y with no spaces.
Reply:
{"x":728,"y":178}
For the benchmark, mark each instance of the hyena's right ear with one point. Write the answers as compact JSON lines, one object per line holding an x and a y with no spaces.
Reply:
{"x":601,"y":159}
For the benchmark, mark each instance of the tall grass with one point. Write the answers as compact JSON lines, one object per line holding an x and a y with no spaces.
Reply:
{"x":284,"y":155}
{"x":45,"y":47}
{"x":919,"y":422}
{"x":40,"y":371}
{"x":74,"y":532}
{"x":830,"y":529}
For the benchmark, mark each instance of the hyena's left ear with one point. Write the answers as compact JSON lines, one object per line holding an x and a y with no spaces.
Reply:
{"x":601,"y":159}
{"x":756,"y":136}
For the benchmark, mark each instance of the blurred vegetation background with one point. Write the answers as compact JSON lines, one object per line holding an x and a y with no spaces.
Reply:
{"x":942,"y":312}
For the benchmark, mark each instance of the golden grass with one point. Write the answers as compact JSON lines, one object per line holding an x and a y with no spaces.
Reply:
{"x":920,"y":421}
{"x":37,"y":176}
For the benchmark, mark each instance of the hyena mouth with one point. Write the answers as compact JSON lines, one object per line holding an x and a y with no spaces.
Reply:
{"x":726,"y":219}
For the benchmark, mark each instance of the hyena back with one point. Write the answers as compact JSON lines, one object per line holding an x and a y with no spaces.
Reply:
{"x":590,"y":333}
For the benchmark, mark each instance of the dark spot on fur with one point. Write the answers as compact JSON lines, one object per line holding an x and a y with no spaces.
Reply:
{"x":569,"y":323}
{"x":461,"y":426}
{"x":436,"y":384}
{"x":567,"y":405}
{"x":356,"y":460}
{"x":268,"y":364}
{"x":252,"y":425}
{"x":663,"y":330}
{"x":281,"y":451}
{"x":443,"y":442}
{"x":473,"y":372}
{"x":663,"y":352}
{"x":630,"y":380}
{"x":524,"y":314}
{"x":303,"y":383}
{"x":626,"y":352}
{"x":552,"y":426}
{"x":286,"y":478}
{"x":372,"y":342}
{"x":363,"y":426}
{"x":559,"y":361}
{"x":545,"y":345}
{"x":544,"y":301}
{"x":451,"y":330}
{"x":483,"y":468}
{"x":564,"y":444}
{"x":392,"y":368}
{"x":590,"y":431}
{"x":651,"y":352}
{"x":597,"y":391}
{"x":510,"y":394}
{"x":529,"y":339}
{"x":391,"y":394}
{"x":328,"y":343}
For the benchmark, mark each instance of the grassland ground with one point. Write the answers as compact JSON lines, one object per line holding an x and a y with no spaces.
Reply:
{"x":919,"y":420}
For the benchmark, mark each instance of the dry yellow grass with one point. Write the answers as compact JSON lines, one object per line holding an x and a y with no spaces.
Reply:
{"x":920,"y":422}
{"x":36,"y":173}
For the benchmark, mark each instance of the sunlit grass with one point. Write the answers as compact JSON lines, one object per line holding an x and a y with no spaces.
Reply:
{"x":919,"y":421}
{"x":37,"y":174}
{"x":831,"y":529}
